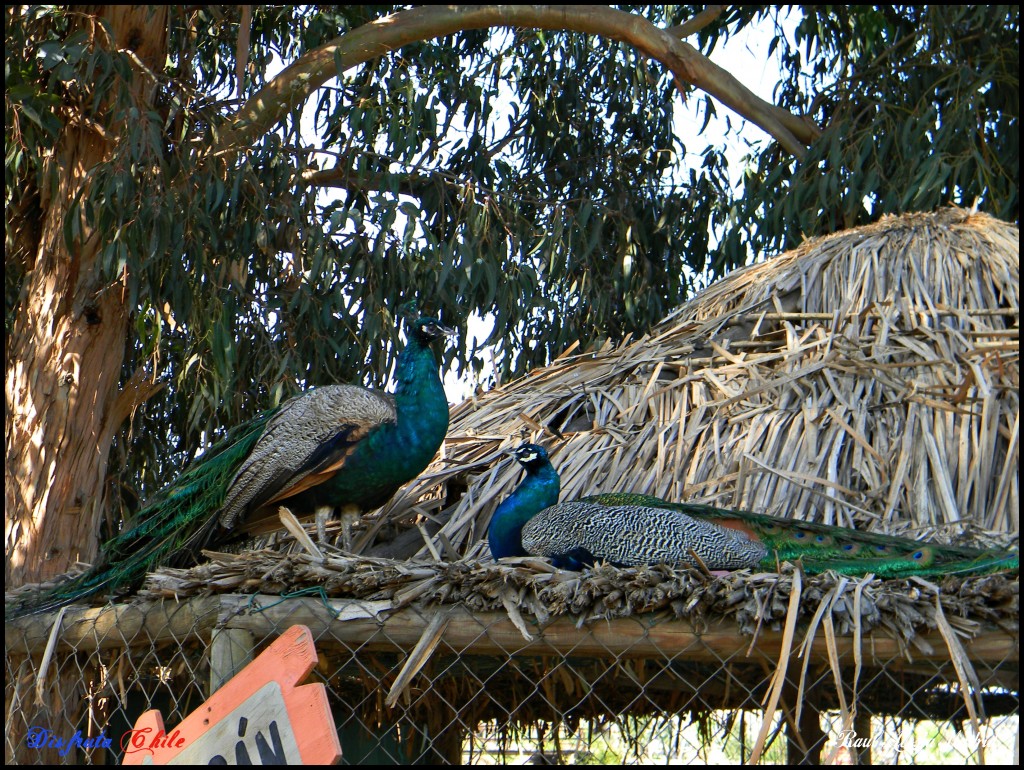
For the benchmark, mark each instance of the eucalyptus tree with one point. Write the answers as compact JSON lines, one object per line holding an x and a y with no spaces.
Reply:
{"x":194,"y":233}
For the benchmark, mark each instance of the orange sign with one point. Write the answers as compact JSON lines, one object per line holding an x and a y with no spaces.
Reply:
{"x":260,"y":717}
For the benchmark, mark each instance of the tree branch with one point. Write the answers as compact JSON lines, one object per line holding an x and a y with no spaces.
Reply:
{"x":138,"y":390}
{"x":300,"y":80}
{"x":242,"y":47}
{"x":363,"y":181}
{"x":697,"y":23}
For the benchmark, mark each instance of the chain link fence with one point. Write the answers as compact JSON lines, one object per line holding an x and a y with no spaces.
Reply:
{"x":443,"y":683}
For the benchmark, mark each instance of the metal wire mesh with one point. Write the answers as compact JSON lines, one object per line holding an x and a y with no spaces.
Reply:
{"x":446,"y":685}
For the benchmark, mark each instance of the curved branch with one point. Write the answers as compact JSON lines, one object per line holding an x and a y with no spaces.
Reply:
{"x":141,"y":387}
{"x":361,"y":181}
{"x":298,"y":82}
{"x":697,"y":23}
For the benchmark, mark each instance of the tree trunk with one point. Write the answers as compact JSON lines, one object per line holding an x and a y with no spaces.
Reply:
{"x":67,"y":348}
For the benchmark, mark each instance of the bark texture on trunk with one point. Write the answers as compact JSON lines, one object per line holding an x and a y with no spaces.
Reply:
{"x":66,"y":347}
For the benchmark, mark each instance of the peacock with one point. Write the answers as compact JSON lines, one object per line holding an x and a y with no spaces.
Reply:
{"x":333,"y":447}
{"x":627,"y":530}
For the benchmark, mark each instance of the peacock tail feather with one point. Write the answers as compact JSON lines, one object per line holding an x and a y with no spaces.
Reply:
{"x":173,"y":527}
{"x":821,"y":547}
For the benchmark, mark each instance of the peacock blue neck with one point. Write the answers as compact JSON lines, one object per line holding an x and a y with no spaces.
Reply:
{"x":539,"y":490}
{"x":421,"y":406}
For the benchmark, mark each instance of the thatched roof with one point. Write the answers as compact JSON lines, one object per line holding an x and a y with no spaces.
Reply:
{"x":868,"y":378}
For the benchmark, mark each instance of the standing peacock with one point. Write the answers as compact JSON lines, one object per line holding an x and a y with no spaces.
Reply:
{"x":630,"y":530}
{"x":333,"y":447}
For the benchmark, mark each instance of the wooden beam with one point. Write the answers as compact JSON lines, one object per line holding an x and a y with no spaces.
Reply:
{"x":485,"y":633}
{"x":231,"y":650}
{"x":116,"y":626}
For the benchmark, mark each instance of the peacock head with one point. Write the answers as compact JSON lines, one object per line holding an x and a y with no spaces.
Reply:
{"x":427,"y":329}
{"x":530,"y":455}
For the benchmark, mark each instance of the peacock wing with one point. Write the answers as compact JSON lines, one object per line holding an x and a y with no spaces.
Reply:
{"x":305,"y":443}
{"x":631,"y":535}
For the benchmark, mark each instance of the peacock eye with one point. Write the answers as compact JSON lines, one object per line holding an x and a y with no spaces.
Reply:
{"x":848,"y":547}
{"x":918,"y":555}
{"x":799,"y":535}
{"x":820,"y":538}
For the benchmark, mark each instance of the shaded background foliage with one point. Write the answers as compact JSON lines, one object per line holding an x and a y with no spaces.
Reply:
{"x":535,"y":176}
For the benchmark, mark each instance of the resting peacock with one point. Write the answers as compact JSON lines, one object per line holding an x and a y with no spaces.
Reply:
{"x":630,"y":530}
{"x":337,"y":446}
